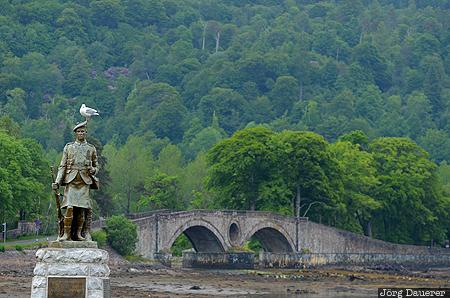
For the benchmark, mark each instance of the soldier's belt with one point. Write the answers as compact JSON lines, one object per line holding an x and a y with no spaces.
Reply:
{"x":76,"y":168}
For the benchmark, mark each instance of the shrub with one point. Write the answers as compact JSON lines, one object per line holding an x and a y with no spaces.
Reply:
{"x":305,"y":251}
{"x":19,"y":247}
{"x":253,"y":245}
{"x":2,"y":248}
{"x":180,"y":244}
{"x":99,"y":236}
{"x":121,"y":234}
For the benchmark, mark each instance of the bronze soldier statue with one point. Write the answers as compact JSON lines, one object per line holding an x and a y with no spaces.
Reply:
{"x":77,"y":172}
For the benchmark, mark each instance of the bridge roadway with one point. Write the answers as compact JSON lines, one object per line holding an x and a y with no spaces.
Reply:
{"x":220,"y":231}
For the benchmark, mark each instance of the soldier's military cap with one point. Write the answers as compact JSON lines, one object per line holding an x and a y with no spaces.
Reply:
{"x":81,"y":124}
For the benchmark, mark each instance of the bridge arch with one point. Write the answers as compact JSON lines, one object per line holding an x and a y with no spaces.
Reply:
{"x":272,"y":237}
{"x":203,"y":236}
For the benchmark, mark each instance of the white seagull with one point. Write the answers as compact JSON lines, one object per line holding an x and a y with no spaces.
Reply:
{"x":88,"y":112}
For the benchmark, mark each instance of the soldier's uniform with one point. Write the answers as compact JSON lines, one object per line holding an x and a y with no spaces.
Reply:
{"x":73,"y":173}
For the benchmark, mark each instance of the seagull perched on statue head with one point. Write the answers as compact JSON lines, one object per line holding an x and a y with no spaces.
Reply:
{"x":88,"y":112}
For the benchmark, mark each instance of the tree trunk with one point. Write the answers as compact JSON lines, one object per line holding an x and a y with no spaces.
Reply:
{"x":204,"y":36}
{"x":217,"y":41}
{"x":253,"y":205}
{"x":301,"y":91}
{"x":128,"y":200}
{"x":369,"y":229}
{"x":297,"y":202}
{"x":22,"y":214}
{"x":252,"y":198}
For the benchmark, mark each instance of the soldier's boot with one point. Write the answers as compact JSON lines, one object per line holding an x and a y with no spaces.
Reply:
{"x":87,"y":225}
{"x":80,"y":223}
{"x":67,"y":225}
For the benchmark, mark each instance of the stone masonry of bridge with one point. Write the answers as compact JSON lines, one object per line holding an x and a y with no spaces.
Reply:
{"x":220,"y":231}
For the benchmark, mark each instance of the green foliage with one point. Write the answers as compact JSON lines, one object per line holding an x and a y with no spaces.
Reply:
{"x":356,"y":137}
{"x":19,"y":247}
{"x":122,"y":234}
{"x":161,"y":192}
{"x":2,"y":248}
{"x":311,"y":174}
{"x":253,"y":245}
{"x":180,"y":244}
{"x":305,"y":250}
{"x":412,"y":205}
{"x":164,"y":63}
{"x":128,"y":166}
{"x":387,"y":188}
{"x":239,"y":167}
{"x":24,"y":172}
{"x":360,"y":184}
{"x":138,"y":259}
{"x":191,"y":73}
{"x":100,"y":236}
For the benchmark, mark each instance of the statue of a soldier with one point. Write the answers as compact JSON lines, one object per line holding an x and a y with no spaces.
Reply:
{"x":77,"y":172}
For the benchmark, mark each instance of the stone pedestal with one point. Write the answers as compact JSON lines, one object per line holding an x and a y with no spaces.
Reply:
{"x":70,"y":269}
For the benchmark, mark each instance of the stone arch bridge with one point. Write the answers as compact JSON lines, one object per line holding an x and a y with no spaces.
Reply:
{"x":220,"y":231}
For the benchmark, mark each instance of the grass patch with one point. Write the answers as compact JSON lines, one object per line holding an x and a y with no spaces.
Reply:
{"x":21,"y":247}
{"x":241,"y":249}
{"x":27,"y":237}
{"x":133,"y":258}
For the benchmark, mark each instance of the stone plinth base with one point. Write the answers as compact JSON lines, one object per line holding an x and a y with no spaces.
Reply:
{"x":72,"y":244}
{"x":71,"y":272}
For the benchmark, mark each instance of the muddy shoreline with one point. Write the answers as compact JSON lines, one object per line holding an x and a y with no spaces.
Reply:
{"x":137,"y":279}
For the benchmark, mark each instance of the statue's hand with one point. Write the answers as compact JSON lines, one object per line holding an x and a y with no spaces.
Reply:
{"x":91,"y":170}
{"x":55,"y":186}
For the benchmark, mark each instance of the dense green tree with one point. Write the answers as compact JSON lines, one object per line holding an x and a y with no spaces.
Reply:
{"x":343,"y":104}
{"x":369,"y":104}
{"x":24,"y":172}
{"x":284,"y":93}
{"x":310,"y":173}
{"x":128,"y":166}
{"x":204,"y":140}
{"x":193,"y":184}
{"x":146,"y":97}
{"x":356,"y":137}
{"x":436,"y":142}
{"x":78,"y":75}
{"x":360,"y":182}
{"x":107,"y":12}
{"x":418,"y":114}
{"x":227,"y":104}
{"x":15,"y":106}
{"x":161,"y":192}
{"x":70,"y":26}
{"x":9,"y":126}
{"x":434,"y":82}
{"x":101,"y":196}
{"x":412,"y":207}
{"x":168,"y":120}
{"x":239,"y":166}
{"x":170,"y":160}
{"x":144,"y":13}
{"x":369,"y":57}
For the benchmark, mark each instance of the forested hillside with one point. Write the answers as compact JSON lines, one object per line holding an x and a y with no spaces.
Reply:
{"x":369,"y":81}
